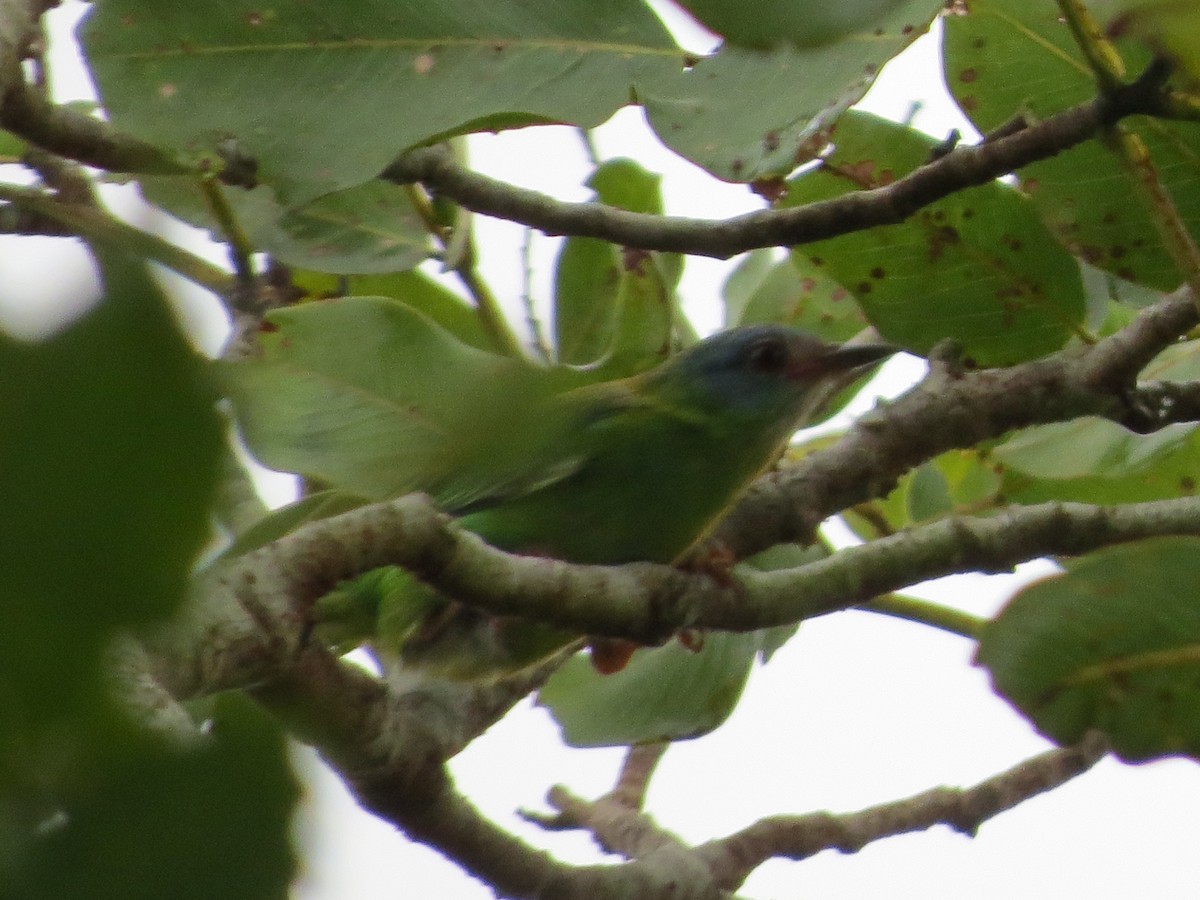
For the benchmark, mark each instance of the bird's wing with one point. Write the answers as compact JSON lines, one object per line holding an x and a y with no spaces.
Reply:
{"x":542,"y":445}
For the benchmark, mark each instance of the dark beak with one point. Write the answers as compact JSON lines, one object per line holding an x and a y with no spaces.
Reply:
{"x":851,"y":356}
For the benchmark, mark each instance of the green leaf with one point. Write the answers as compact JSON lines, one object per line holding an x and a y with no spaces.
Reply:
{"x":1011,"y":57}
{"x":368,"y":396}
{"x":670,"y":692}
{"x":108,"y":467}
{"x":414,"y":289}
{"x":371,"y":228}
{"x":1097,"y":461}
{"x":1113,"y":644}
{"x":152,"y":820}
{"x":795,"y":292}
{"x":978,"y":267}
{"x":608,"y":302}
{"x":801,"y":23}
{"x":11,"y":146}
{"x":745,"y":114}
{"x":667,"y":693}
{"x":325,"y":94}
{"x":286,"y":519}
{"x":1170,"y":26}
{"x":928,"y":495}
{"x":587,"y":279}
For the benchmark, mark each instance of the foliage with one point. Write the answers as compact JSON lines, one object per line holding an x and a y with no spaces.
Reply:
{"x":323,"y":144}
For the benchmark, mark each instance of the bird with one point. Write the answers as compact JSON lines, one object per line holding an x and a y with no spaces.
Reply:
{"x":634,"y":469}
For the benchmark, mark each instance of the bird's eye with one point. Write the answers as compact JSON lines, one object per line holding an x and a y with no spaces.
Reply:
{"x":769,"y":355}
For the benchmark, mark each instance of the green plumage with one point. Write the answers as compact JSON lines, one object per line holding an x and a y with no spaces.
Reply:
{"x":635,"y":469}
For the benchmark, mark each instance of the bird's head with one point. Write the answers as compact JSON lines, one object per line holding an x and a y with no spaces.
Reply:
{"x":762,"y":373}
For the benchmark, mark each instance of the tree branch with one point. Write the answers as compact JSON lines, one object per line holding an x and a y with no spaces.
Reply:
{"x":388,"y":749}
{"x":948,"y":410}
{"x":733,"y":858}
{"x":963,"y":167}
{"x":252,"y":613}
{"x":75,"y":135}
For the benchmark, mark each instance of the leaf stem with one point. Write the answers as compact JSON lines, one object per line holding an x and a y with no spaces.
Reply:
{"x":1102,"y":58}
{"x":463,"y":266}
{"x":240,"y":248}
{"x":104,"y":228}
{"x":926,"y":612}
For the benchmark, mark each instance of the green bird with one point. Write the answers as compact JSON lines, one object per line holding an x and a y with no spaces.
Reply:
{"x":640,"y":468}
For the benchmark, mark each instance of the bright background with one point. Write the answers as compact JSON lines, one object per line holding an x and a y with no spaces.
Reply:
{"x":858,"y":709}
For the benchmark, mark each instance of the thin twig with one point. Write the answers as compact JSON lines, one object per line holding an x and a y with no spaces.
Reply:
{"x":733,"y":858}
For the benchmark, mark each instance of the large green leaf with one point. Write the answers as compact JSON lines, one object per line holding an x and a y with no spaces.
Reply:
{"x":1010,"y":57}
{"x":801,"y":23}
{"x":978,"y":267}
{"x":108,"y":465}
{"x":745,"y":113}
{"x":325,"y":94}
{"x":1113,"y":644}
{"x":369,"y":396}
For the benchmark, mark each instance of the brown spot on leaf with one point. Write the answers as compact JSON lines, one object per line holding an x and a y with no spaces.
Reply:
{"x":254,"y":17}
{"x":167,"y":90}
{"x":770,"y":189}
{"x":968,"y":75}
{"x":940,"y":239}
{"x":877,"y":272}
{"x":863,"y":287}
{"x":423,"y":63}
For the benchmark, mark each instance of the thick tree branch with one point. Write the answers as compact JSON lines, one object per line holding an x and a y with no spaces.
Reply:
{"x":953,"y":409}
{"x":389,"y":749}
{"x":252,"y":613}
{"x":963,"y":167}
